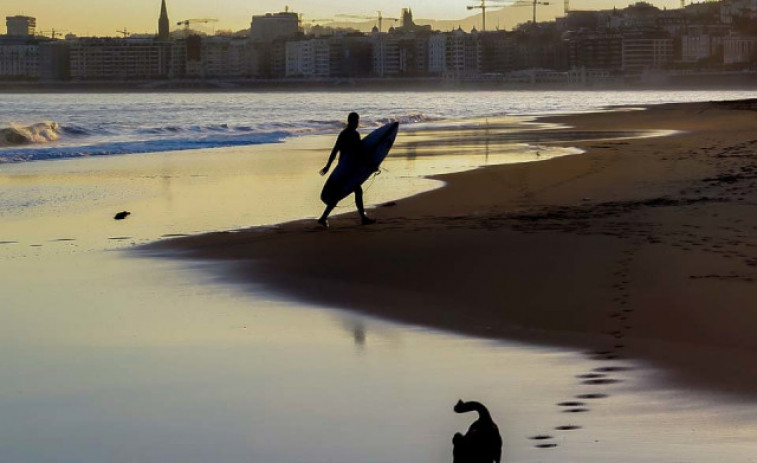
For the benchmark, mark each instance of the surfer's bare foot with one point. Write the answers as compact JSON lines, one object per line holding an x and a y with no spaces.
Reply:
{"x":365,"y":220}
{"x":324,"y":223}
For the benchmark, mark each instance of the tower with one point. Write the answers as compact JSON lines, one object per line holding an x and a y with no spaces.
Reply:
{"x":407,"y":18}
{"x":22,"y":26}
{"x":163,"y":31}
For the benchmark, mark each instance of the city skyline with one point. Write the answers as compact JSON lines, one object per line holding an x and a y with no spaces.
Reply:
{"x":140,"y":16}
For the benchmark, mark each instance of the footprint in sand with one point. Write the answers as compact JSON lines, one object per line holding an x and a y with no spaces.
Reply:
{"x":612,"y":369}
{"x":541,"y":437}
{"x":571,"y":404}
{"x":590,"y":376}
{"x":567,"y":427}
{"x":576,"y":410}
{"x":8,"y":242}
{"x":592,"y":396}
{"x":120,"y":238}
{"x":600,"y":382}
{"x":545,"y":446}
{"x":62,"y":240}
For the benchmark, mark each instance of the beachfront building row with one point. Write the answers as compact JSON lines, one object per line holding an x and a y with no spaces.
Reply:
{"x":459,"y":54}
{"x":630,"y":41}
{"x":379,"y":55}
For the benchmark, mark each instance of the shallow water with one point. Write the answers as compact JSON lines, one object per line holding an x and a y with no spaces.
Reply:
{"x":205,"y":190}
{"x":108,"y":355}
{"x":89,"y":124}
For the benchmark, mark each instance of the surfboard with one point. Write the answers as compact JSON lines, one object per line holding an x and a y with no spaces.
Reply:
{"x":347,"y":175}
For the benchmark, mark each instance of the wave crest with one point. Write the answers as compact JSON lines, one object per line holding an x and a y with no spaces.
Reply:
{"x":413,"y":118}
{"x":26,"y":143}
{"x":41,"y":132}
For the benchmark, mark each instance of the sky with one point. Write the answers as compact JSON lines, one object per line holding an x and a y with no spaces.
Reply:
{"x":105,"y":17}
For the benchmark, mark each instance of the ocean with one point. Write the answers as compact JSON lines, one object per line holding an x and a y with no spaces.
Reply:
{"x":68,"y":125}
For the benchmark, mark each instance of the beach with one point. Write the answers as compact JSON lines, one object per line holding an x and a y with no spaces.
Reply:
{"x":641,"y":248}
{"x":588,"y":277}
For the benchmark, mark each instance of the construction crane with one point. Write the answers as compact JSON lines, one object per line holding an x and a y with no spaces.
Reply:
{"x":124,"y":32}
{"x":379,"y":17}
{"x":187,"y":22}
{"x":533,"y":4}
{"x":53,"y":33}
{"x":315,"y":22}
{"x":483,"y":5}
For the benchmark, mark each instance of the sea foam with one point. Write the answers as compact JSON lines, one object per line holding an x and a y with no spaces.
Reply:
{"x":50,"y":140}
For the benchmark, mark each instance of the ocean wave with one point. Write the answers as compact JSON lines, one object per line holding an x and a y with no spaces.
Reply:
{"x":42,"y":132}
{"x":19,"y":144}
{"x":136,"y":147}
{"x":413,"y":118}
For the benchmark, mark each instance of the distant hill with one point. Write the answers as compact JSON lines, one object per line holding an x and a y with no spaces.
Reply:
{"x":504,"y":18}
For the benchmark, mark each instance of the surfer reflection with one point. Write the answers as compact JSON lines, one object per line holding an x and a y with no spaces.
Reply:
{"x":350,"y":158}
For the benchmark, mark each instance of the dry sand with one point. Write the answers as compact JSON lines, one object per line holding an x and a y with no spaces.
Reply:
{"x":643,"y":248}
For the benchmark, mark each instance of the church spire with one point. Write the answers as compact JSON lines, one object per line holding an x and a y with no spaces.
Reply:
{"x":163,"y":29}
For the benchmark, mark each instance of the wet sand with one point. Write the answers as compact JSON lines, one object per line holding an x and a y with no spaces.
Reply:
{"x":108,"y":357}
{"x":636,"y":249}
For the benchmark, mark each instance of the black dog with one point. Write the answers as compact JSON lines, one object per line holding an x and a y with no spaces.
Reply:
{"x":482,"y":443}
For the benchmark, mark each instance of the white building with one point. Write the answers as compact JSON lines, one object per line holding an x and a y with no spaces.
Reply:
{"x":695,"y":48}
{"x":640,"y":53}
{"x":20,"y":61}
{"x":737,"y":49}
{"x":386,"y":54}
{"x":119,"y":59}
{"x":437,"y":54}
{"x":308,"y":58}
{"x":462,"y":52}
{"x":226,"y":57}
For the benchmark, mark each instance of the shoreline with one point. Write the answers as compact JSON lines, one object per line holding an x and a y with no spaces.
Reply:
{"x":616,"y":250}
{"x":736,"y":81}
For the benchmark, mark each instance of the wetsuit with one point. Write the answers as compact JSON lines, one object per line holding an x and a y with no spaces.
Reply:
{"x":349,"y":147}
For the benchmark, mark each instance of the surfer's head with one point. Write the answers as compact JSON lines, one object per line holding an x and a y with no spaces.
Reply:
{"x":353,"y":120}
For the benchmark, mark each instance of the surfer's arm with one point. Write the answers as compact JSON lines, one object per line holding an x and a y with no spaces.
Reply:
{"x":332,"y":156}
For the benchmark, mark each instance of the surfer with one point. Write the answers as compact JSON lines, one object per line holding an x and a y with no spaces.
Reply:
{"x":350,"y":155}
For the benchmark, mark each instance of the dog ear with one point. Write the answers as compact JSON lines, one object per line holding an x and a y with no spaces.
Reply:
{"x":459,"y":404}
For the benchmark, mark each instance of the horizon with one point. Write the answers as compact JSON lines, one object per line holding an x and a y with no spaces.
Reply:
{"x":141,"y":16}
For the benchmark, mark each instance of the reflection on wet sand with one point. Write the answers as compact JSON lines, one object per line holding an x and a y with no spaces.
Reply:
{"x":108,"y":357}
